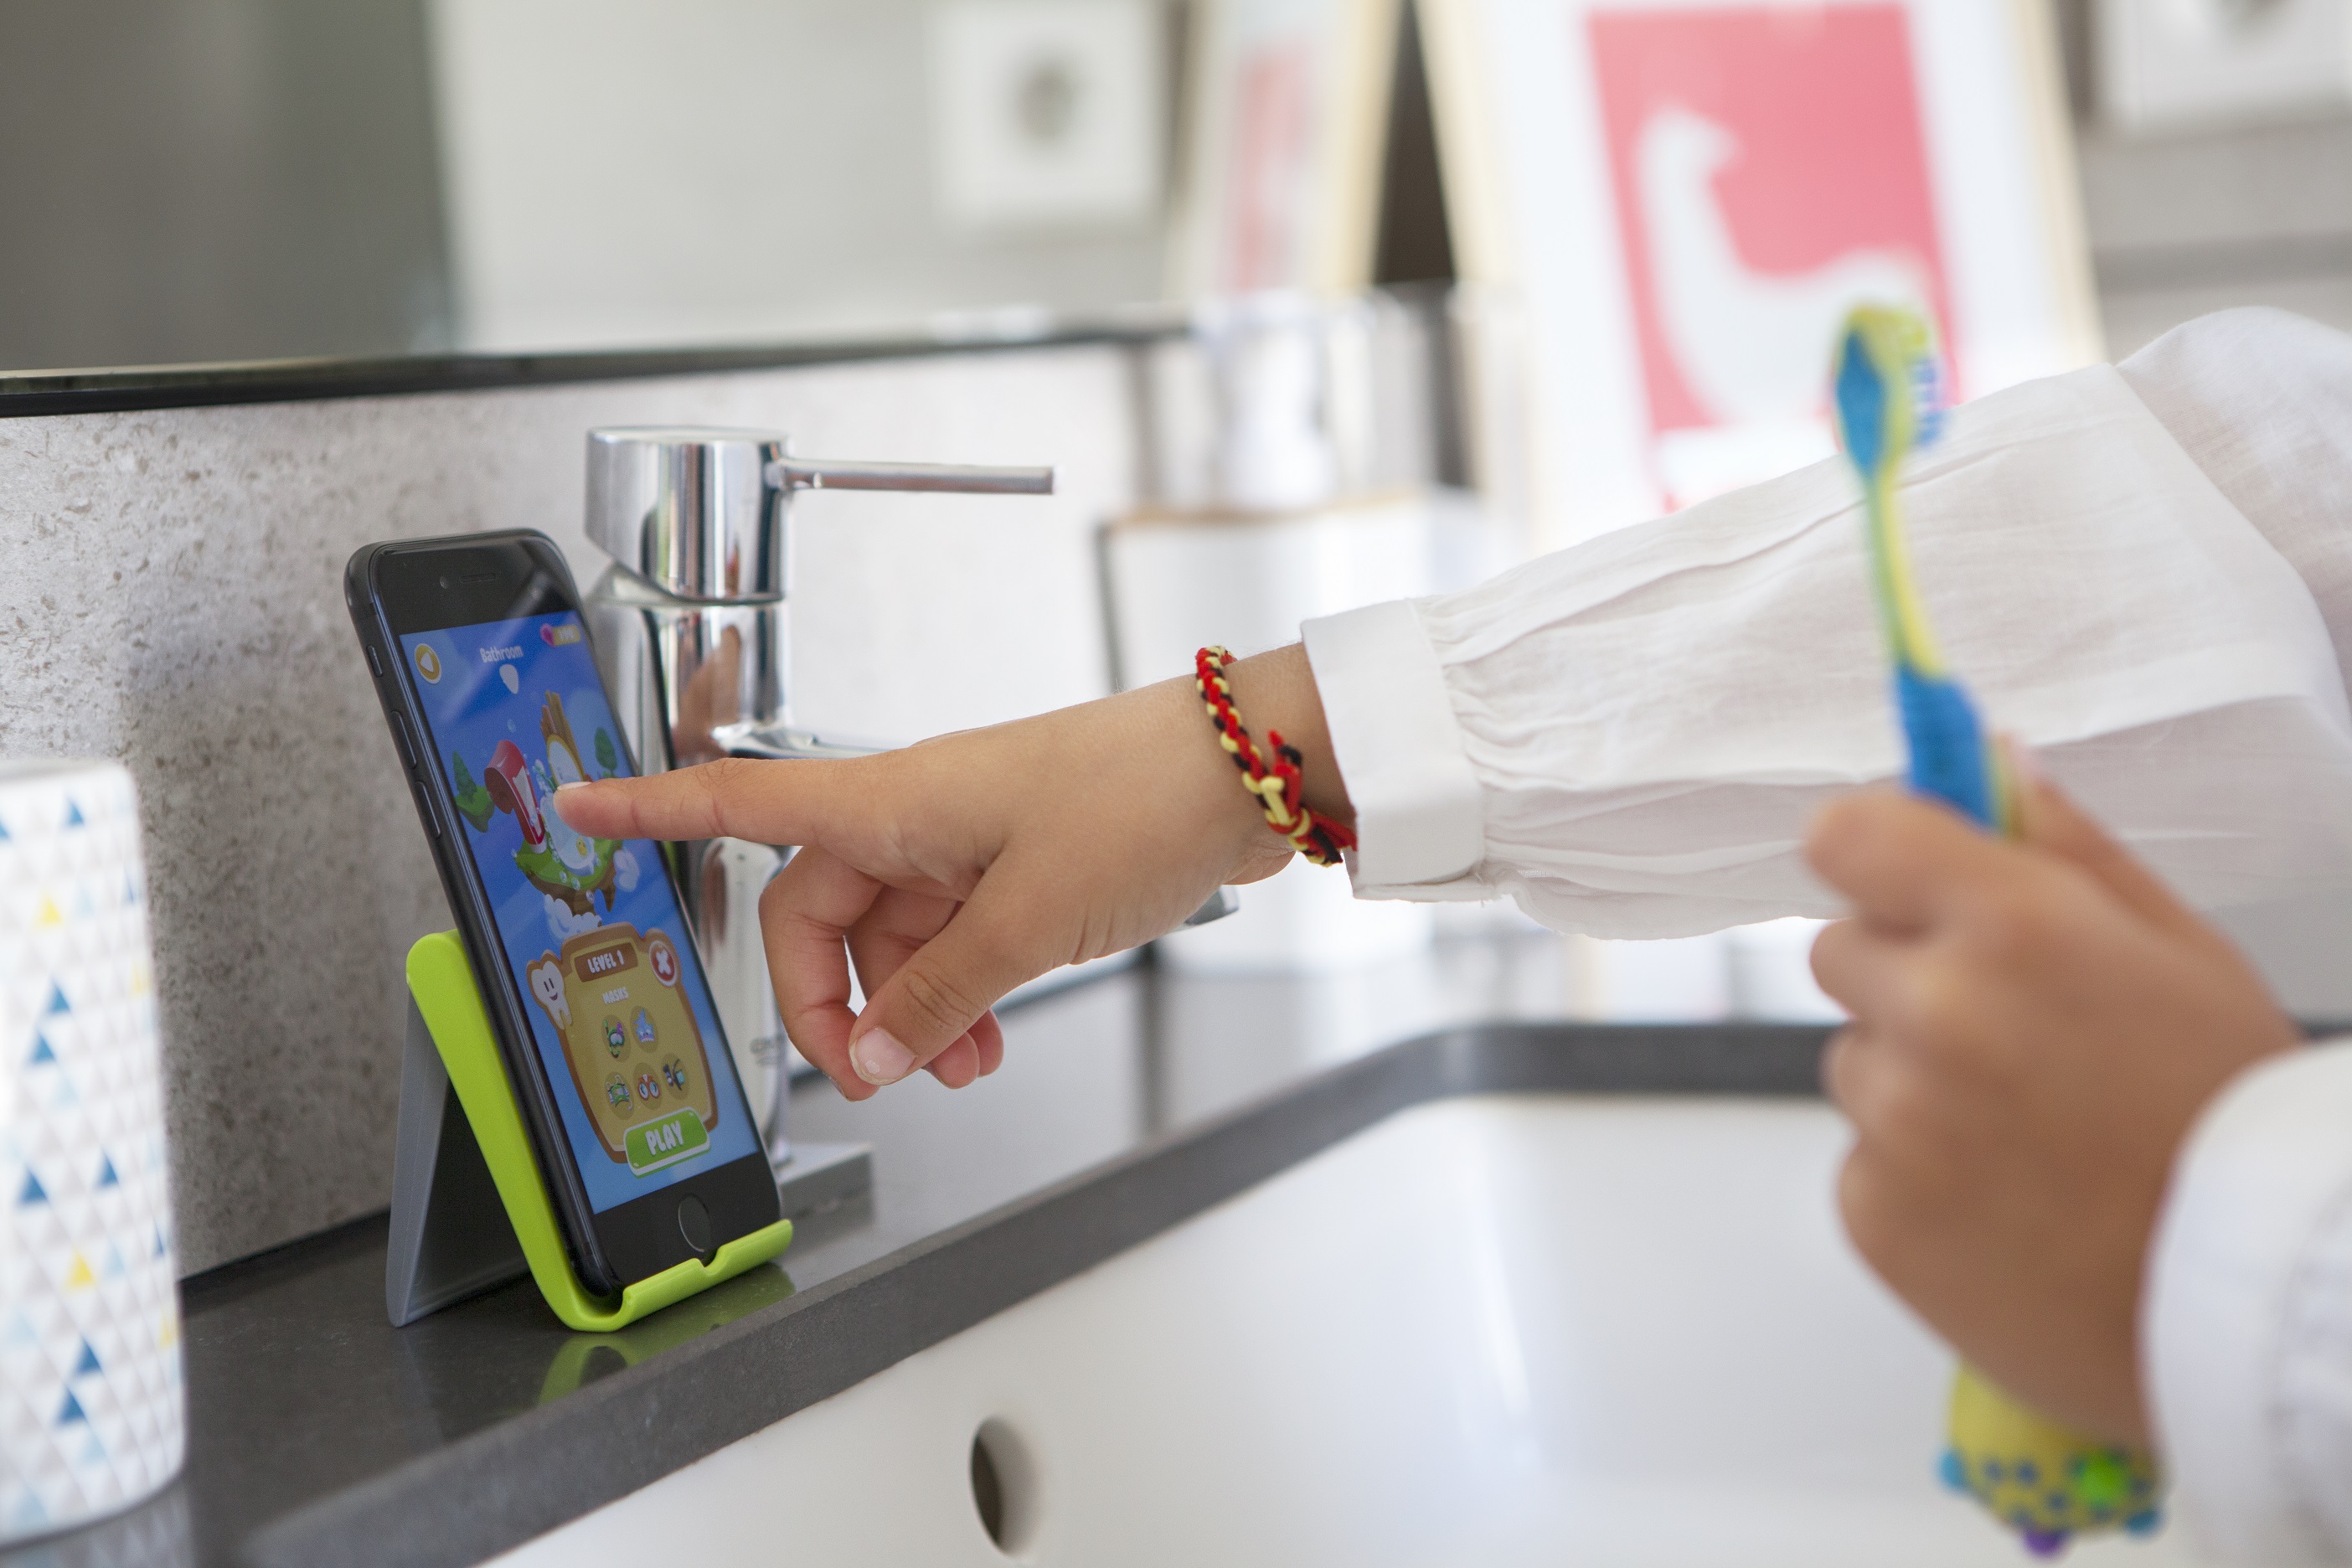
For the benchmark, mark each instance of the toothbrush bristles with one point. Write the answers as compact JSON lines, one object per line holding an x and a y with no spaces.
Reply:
{"x":1927,"y":397}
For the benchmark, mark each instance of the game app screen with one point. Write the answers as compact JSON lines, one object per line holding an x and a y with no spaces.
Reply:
{"x":616,"y":996}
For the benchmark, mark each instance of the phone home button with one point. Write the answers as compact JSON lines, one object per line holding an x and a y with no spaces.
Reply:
{"x":694,"y":1224}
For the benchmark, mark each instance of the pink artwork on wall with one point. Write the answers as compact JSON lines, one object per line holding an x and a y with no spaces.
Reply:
{"x":1269,"y":176}
{"x":1769,"y":171}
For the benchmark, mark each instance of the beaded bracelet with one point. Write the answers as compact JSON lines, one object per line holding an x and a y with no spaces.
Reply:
{"x":1276,"y":786}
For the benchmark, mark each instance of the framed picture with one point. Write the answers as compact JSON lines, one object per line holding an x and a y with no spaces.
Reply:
{"x":1286,"y":120}
{"x":2189,"y":64}
{"x":1680,"y":201}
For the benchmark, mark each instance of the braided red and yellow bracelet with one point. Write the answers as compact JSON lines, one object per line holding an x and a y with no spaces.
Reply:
{"x":1276,"y":785}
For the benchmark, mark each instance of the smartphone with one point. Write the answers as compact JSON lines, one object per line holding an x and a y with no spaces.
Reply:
{"x":587,"y":967}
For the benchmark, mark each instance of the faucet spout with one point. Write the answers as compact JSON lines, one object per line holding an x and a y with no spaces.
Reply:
{"x":690,"y":628}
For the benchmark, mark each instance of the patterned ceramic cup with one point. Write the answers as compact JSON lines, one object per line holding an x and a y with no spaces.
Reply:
{"x":91,"y":1409}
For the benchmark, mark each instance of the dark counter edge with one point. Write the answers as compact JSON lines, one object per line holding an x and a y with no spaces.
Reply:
{"x":547,"y":1467}
{"x":46,"y":393}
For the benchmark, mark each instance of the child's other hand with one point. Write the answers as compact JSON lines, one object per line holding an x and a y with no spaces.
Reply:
{"x":953,"y":871}
{"x":2035,"y":1027}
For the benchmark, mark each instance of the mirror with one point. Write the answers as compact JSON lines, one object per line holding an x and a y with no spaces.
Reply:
{"x":201,"y":181}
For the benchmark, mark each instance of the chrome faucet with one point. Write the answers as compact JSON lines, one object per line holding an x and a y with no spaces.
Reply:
{"x":689,"y":624}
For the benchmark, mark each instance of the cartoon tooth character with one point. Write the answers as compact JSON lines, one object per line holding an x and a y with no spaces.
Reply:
{"x":546,"y":979}
{"x":577,"y":851}
{"x":566,"y":865}
{"x":562,"y":750}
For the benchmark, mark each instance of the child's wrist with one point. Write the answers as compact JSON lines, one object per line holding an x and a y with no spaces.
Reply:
{"x":1276,"y":691}
{"x":1192,"y":776}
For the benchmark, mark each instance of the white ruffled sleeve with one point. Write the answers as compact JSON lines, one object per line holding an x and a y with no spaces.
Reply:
{"x":1628,"y":737}
{"x":2246,"y":1318}
{"x":2262,"y":400}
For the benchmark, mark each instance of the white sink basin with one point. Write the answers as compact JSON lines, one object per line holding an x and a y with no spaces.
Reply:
{"x":1493,"y":1331}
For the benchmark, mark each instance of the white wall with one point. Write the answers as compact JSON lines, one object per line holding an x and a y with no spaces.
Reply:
{"x":623,"y":173}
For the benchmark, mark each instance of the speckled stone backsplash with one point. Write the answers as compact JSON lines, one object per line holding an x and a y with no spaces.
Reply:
{"x":171,"y":595}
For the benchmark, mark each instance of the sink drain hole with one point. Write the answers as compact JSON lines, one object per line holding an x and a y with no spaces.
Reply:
{"x":1003,"y":1486}
{"x":987,"y":1491}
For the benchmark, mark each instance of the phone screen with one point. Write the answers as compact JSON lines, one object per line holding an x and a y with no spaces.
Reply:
{"x":615,"y":993}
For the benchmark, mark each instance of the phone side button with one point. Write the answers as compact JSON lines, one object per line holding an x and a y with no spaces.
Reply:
{"x":375,"y":663}
{"x":400,"y":739}
{"x":424,"y":805}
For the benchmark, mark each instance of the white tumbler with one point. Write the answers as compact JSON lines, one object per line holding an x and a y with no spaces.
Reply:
{"x":91,"y":1403}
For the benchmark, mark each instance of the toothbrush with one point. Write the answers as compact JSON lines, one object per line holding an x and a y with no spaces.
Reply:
{"x":1889,"y":402}
{"x":2047,"y":1482}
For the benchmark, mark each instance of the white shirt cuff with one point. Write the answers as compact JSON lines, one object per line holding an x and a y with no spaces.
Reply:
{"x":2260,"y":1180}
{"x":1419,"y":829}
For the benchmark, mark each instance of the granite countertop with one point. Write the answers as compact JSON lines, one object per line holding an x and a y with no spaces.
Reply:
{"x":321,"y":1435}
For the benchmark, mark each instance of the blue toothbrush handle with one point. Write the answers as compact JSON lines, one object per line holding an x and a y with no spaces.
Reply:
{"x":1949,"y":759}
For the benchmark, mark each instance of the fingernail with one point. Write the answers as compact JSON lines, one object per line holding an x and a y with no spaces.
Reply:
{"x":565,"y":794}
{"x":879,"y":1059}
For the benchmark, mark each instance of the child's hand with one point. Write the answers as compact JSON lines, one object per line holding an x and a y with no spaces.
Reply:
{"x":2035,"y":1027}
{"x":953,"y":871}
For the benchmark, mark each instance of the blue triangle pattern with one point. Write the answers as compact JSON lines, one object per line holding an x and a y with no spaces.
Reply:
{"x":70,"y":1411}
{"x":113,"y":1269}
{"x":34,"y":1192}
{"x":106,"y":1176}
{"x":88,"y":1362}
{"x":93,"y":1452}
{"x":41,"y":1052}
{"x":19,"y":1331}
{"x":159,"y":1241}
{"x":31,"y":1512}
{"x":4,"y":832}
{"x":73,"y":813}
{"x":66,"y":1095}
{"x":130,"y":890}
{"x":58,"y":1003}
{"x":85,"y":906}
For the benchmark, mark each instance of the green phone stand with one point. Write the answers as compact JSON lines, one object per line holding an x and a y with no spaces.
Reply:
{"x":453,"y":1173}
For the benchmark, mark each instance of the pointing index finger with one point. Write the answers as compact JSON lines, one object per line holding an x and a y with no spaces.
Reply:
{"x":766,"y":802}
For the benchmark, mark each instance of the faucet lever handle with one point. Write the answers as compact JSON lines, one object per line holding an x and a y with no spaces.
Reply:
{"x":822,"y":474}
{"x":700,"y":513}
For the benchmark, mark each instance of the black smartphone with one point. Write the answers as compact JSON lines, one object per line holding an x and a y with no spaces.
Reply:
{"x":587,"y":967}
